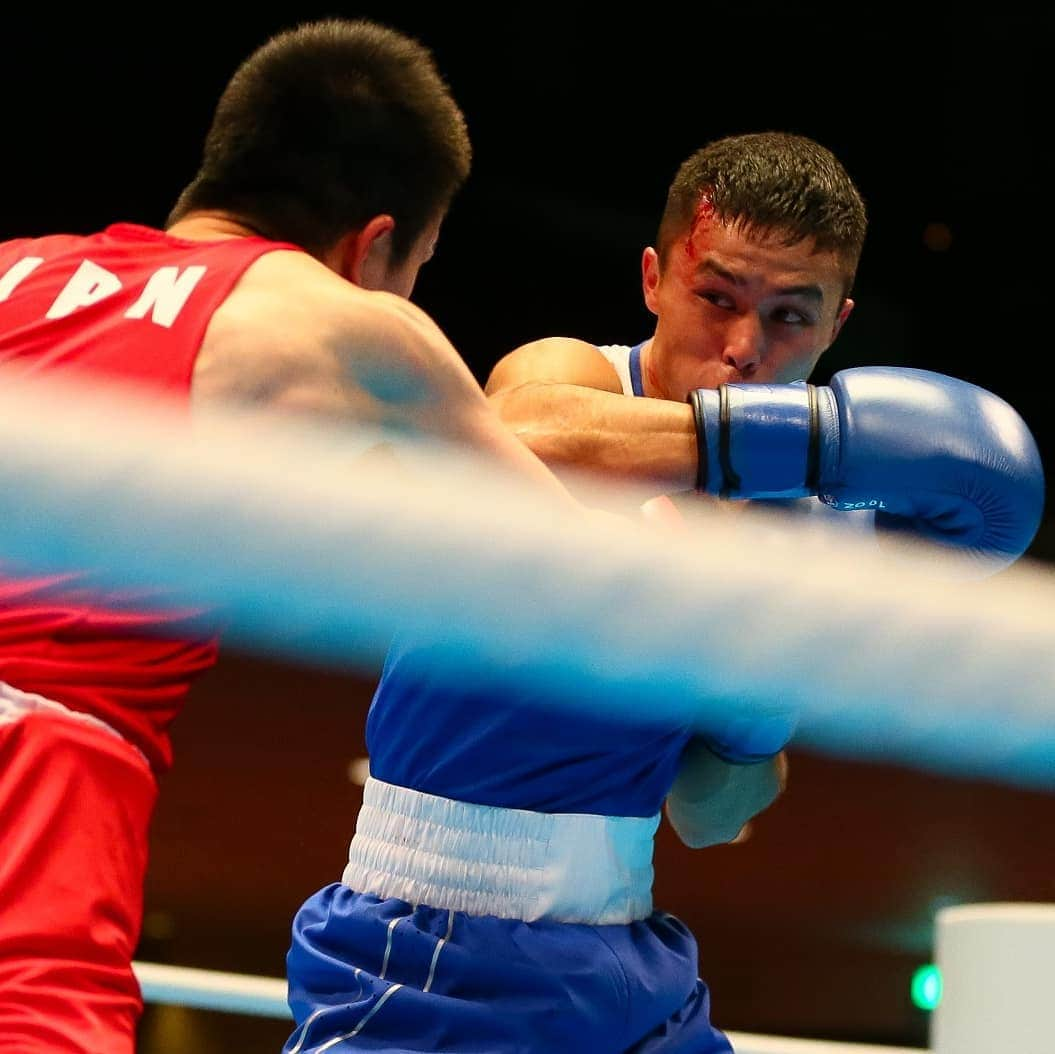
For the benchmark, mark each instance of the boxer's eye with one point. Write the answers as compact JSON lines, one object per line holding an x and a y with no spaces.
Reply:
{"x":722,"y":300}
{"x":792,"y":316}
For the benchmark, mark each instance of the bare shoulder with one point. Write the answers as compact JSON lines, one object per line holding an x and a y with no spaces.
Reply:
{"x":294,"y":334}
{"x":554,"y":360}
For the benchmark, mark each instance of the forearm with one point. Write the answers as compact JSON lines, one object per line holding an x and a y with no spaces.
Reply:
{"x":647,"y":441}
{"x":712,"y":799}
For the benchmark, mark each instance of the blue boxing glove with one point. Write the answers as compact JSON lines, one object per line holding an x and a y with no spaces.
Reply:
{"x":931,"y":455}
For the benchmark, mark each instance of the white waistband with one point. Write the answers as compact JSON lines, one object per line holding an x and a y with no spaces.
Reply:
{"x":513,"y":863}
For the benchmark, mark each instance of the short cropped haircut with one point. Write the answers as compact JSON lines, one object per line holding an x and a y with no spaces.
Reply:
{"x":772,"y":184}
{"x":327,"y":125}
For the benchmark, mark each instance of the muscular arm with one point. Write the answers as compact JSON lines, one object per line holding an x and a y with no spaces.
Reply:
{"x":295,"y":338}
{"x":455,"y":406}
{"x":563,"y":399}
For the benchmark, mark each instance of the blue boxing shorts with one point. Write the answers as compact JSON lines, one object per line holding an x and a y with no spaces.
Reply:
{"x":539,"y":937}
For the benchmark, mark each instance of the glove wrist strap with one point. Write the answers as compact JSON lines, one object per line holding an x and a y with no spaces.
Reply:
{"x":813,"y":452}
{"x":730,"y":479}
{"x":759,"y":440}
{"x":702,"y":459}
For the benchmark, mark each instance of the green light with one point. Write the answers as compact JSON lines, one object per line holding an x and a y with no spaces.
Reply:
{"x":926,"y":987}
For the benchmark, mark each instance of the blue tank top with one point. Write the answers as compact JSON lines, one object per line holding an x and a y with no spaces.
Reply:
{"x":487,"y":739}
{"x":491,"y":740}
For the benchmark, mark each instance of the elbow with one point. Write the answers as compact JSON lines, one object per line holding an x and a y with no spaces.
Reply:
{"x":523,"y":412}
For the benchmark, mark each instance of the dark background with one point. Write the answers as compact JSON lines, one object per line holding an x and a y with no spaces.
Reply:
{"x":579,"y":118}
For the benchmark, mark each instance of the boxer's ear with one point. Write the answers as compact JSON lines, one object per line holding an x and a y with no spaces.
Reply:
{"x":650,"y":278}
{"x":361,"y":256}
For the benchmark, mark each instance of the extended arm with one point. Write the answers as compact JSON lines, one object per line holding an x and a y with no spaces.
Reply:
{"x":295,"y":338}
{"x":562,"y":398}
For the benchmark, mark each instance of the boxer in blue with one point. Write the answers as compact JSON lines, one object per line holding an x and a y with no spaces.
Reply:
{"x":497,"y":896}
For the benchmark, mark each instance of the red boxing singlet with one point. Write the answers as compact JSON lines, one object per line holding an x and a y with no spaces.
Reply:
{"x":132,"y":304}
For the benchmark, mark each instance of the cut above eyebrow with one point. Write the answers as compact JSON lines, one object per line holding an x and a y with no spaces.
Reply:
{"x":810,"y":291}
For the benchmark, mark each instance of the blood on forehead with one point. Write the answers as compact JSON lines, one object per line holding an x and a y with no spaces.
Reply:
{"x":703,"y":219}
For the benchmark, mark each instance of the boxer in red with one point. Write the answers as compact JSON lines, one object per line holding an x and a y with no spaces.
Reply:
{"x":280,"y":280}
